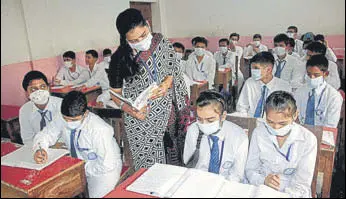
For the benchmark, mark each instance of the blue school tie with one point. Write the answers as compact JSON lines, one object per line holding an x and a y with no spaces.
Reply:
{"x":214,"y":162}
{"x":259,"y":108}
{"x":278,"y":69}
{"x":43,"y":121}
{"x":310,"y":109}
{"x":73,"y":149}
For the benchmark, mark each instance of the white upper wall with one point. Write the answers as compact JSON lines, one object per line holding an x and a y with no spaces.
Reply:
{"x":187,"y":18}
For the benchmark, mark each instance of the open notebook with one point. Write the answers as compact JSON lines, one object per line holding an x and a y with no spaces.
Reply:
{"x":164,"y":180}
{"x":24,"y":158}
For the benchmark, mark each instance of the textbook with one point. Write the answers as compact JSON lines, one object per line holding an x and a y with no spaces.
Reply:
{"x":24,"y":158}
{"x":141,"y":100}
{"x":163,"y":180}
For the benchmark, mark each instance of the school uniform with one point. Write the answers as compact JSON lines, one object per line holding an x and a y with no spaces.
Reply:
{"x":296,"y":55}
{"x":233,"y":148}
{"x":94,"y":143}
{"x":98,"y":77}
{"x":298,"y":47}
{"x":249,"y":52}
{"x":292,"y":70}
{"x":67,"y":77}
{"x":254,"y":93}
{"x":294,"y":162}
{"x":330,"y":55}
{"x":32,"y":118}
{"x":328,"y":102}
{"x":203,"y":71}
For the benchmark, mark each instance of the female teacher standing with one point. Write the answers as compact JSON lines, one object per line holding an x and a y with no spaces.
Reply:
{"x":156,"y":133}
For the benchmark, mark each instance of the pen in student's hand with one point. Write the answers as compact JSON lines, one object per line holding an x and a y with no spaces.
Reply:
{"x":40,"y":148}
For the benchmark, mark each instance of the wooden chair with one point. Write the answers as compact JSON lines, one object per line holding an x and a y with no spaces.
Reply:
{"x":246,"y":123}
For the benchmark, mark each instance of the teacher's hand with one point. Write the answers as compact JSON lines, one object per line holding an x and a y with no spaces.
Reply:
{"x":161,"y":91}
{"x":141,"y":114}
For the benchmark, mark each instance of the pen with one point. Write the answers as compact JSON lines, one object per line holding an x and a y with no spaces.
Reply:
{"x":40,"y":148}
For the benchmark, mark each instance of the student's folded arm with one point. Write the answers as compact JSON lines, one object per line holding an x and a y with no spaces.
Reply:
{"x":237,"y":172}
{"x":333,"y":110}
{"x":301,"y":182}
{"x":83,"y":77}
{"x":243,"y":105}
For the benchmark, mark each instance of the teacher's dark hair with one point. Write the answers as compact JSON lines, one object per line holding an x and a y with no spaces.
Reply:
{"x":123,"y":63}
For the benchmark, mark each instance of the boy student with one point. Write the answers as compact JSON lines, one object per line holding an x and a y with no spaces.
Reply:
{"x":257,"y":88}
{"x":214,"y":144}
{"x":234,"y":39}
{"x":193,"y":42}
{"x":318,"y":102}
{"x":71,"y":73}
{"x":316,"y":48}
{"x":201,"y":66}
{"x":254,"y":47}
{"x":329,"y":52}
{"x":292,"y":32}
{"x":282,"y":153}
{"x":89,"y":138}
{"x":42,"y":108}
{"x":287,"y":67}
{"x":290,"y":47}
{"x":107,"y":53}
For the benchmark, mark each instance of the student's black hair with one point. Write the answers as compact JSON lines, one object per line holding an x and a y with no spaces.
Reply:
{"x":106,"y":51}
{"x":224,"y":40}
{"x":234,"y":34}
{"x":74,"y":104}
{"x":211,"y":97}
{"x":291,"y":42}
{"x":281,"y":38}
{"x":319,"y":61}
{"x":294,"y":28}
{"x":93,"y":53}
{"x":263,"y":58}
{"x":69,"y":54}
{"x":319,"y":37}
{"x":281,"y":101}
{"x":257,"y":36}
{"x":306,"y":43}
{"x":317,"y":47}
{"x":201,"y":40}
{"x":32,"y":75}
{"x":123,"y":58}
{"x":179,"y":45}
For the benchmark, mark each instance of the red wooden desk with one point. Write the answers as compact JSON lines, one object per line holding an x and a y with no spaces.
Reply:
{"x":121,"y":192}
{"x":91,"y":93}
{"x":63,"y":178}
{"x":9,"y":118}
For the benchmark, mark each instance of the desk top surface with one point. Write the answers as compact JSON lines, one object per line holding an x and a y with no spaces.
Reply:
{"x":67,"y":89}
{"x":26,"y":179}
{"x":9,"y":112}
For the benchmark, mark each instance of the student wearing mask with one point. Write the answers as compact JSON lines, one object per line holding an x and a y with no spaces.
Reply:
{"x":287,"y":67}
{"x":290,"y":47}
{"x":255,"y":47}
{"x":88,"y":138}
{"x":42,"y":108}
{"x":282,"y":154}
{"x":329,"y":52}
{"x":200,"y":66}
{"x":333,"y":78}
{"x":107,"y":53}
{"x":257,"y":88}
{"x":71,"y":73}
{"x":213,"y":144}
{"x":318,"y":102}
{"x":234,"y":39}
{"x":292,"y":32}
{"x":193,"y":42}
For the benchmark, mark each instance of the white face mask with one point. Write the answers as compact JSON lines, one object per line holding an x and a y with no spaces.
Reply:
{"x":179,"y":55}
{"x":107,"y":59}
{"x":74,"y":124}
{"x":279,"y":132}
{"x":256,"y":74}
{"x":257,"y":43}
{"x":143,"y":45}
{"x":199,"y":51}
{"x":280,"y":51}
{"x":223,"y":49}
{"x":39,"y":97}
{"x":209,"y":128}
{"x":68,"y":64}
{"x":290,"y":35}
{"x":314,"y":83}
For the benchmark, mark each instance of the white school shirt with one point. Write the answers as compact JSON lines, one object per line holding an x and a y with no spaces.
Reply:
{"x":98,"y":77}
{"x":296,"y":173}
{"x":205,"y":70}
{"x":234,"y":155}
{"x":251,"y":94}
{"x":327,"y":113}
{"x":330,"y":55}
{"x":30,"y":118}
{"x":249,"y":52}
{"x":298,"y":47}
{"x":105,"y":64}
{"x":293,"y":71}
{"x":96,"y":137}
{"x":67,"y":77}
{"x":296,"y":55}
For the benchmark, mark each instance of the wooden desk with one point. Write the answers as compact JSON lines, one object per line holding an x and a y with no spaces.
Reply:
{"x":63,"y":178}
{"x":223,"y":78}
{"x":195,"y":90}
{"x":10,"y":120}
{"x":91,"y":93}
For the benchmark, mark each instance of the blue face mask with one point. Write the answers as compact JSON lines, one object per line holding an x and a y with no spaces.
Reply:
{"x":256,"y":74}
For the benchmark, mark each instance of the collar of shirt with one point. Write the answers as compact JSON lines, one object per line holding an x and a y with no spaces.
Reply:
{"x":95,"y":68}
{"x":203,"y":59}
{"x":270,"y":84}
{"x":284,"y":59}
{"x":320,"y":89}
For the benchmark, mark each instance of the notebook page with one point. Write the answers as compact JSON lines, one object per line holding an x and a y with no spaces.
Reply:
{"x":263,"y":191}
{"x":233,"y":189}
{"x":142,"y":99}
